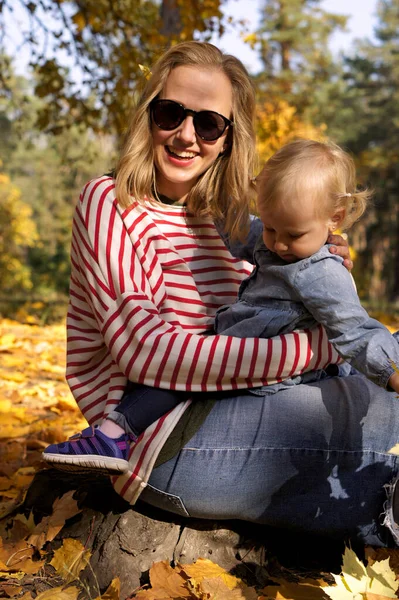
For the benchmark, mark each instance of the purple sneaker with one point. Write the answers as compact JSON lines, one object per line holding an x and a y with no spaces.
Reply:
{"x":91,"y":450}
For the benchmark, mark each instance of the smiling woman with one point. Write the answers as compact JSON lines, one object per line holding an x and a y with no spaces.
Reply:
{"x":148,"y":276}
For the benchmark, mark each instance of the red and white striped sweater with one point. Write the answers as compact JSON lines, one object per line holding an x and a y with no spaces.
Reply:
{"x":146,"y":283}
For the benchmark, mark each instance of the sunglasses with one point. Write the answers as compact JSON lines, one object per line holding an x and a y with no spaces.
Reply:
{"x":208,"y":124}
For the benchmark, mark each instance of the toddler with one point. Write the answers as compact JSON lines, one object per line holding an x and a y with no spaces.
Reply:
{"x":306,"y":191}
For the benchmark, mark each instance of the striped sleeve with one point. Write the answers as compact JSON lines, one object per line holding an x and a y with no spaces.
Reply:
{"x":117,"y":325}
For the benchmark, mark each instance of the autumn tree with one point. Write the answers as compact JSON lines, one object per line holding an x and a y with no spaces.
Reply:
{"x":107,"y":43}
{"x":17,"y":234}
{"x":49,"y":172}
{"x":292,"y":42}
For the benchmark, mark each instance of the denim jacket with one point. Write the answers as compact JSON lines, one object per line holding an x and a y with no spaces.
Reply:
{"x":279,"y":297}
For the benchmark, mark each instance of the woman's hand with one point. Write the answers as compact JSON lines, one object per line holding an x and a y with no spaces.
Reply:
{"x":341,"y":248}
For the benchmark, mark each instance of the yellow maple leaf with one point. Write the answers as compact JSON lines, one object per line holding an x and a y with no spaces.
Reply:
{"x":376,"y":580}
{"x":166,"y":583}
{"x":63,"y":508}
{"x":17,"y":557}
{"x":204,"y":568}
{"x":70,"y":559}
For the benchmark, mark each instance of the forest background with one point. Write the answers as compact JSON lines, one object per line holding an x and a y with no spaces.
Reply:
{"x":63,"y":123}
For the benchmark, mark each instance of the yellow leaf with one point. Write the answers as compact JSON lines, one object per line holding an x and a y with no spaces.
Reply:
{"x":5,"y":405}
{"x":59,"y":593}
{"x":19,"y":575}
{"x":167,"y":581}
{"x":206,"y":569}
{"x":7,"y":340}
{"x":146,"y":71}
{"x":216,"y":588}
{"x":17,"y":556}
{"x":377,"y":580}
{"x":305,"y":590}
{"x":64,"y":508}
{"x":70,"y":559}
{"x":113,"y":591}
{"x":79,"y":20}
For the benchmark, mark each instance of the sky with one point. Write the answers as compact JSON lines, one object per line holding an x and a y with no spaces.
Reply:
{"x":360,"y":24}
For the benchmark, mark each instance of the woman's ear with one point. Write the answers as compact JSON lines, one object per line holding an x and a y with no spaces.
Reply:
{"x":336,"y":220}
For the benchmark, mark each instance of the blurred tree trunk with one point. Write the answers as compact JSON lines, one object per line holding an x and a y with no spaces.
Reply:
{"x":171,"y":18}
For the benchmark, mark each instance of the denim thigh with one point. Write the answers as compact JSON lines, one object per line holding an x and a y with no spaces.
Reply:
{"x":314,"y":458}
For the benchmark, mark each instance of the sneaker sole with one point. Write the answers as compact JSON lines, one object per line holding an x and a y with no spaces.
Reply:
{"x":87,"y":462}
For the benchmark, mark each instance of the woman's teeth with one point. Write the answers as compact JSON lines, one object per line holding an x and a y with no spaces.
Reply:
{"x":181,"y":153}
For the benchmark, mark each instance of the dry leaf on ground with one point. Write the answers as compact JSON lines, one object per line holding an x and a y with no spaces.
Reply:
{"x":376,"y":580}
{"x":63,"y":508}
{"x":59,"y":593}
{"x":113,"y":591}
{"x":70,"y":559}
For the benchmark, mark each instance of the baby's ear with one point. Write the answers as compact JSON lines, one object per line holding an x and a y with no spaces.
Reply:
{"x":336,"y":220}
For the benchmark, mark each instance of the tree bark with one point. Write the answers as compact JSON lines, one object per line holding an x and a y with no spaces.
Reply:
{"x":126,"y":541}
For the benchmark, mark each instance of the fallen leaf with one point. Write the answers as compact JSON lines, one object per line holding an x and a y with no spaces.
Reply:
{"x":216,"y":588}
{"x":113,"y":591}
{"x":10,"y":589}
{"x":304,"y":590}
{"x":18,"y":557}
{"x":59,"y":593}
{"x":204,"y":568}
{"x":376,"y":580}
{"x":63,"y":508}
{"x":166,"y":583}
{"x":70,"y":559}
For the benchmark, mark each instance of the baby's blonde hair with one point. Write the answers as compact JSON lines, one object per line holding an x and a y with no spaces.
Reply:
{"x":323,"y":170}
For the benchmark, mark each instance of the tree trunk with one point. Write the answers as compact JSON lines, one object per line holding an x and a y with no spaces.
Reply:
{"x":126,"y":541}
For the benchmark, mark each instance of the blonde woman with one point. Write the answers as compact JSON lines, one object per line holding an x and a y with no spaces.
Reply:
{"x":149,"y":271}
{"x":306,"y":191}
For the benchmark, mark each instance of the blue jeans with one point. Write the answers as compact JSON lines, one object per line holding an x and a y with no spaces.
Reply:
{"x":312,"y":458}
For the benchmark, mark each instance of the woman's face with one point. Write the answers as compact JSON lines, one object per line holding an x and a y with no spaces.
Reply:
{"x":181,"y":156}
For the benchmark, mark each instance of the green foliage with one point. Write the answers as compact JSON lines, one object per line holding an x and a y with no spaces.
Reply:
{"x":293,"y":45}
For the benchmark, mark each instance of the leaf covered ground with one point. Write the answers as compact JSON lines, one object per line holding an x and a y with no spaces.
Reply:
{"x":36,"y":408}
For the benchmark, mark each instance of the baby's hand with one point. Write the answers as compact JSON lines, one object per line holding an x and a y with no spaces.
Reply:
{"x":341,"y":247}
{"x":394,"y":382}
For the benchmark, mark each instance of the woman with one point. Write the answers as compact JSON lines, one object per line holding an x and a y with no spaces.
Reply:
{"x":150,"y":269}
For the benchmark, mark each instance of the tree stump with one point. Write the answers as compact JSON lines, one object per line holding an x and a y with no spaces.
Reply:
{"x":125,"y":541}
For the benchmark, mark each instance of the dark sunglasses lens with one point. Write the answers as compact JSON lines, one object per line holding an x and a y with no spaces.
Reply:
{"x":167,"y":115}
{"x":209,"y":125}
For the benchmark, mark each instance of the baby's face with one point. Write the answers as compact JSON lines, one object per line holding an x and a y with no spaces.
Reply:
{"x":294,"y":230}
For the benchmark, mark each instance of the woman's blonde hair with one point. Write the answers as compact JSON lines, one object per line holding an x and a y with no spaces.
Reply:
{"x":323,"y":170}
{"x":224,"y":191}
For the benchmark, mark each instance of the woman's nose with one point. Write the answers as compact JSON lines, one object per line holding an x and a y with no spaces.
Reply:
{"x":186,"y":131}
